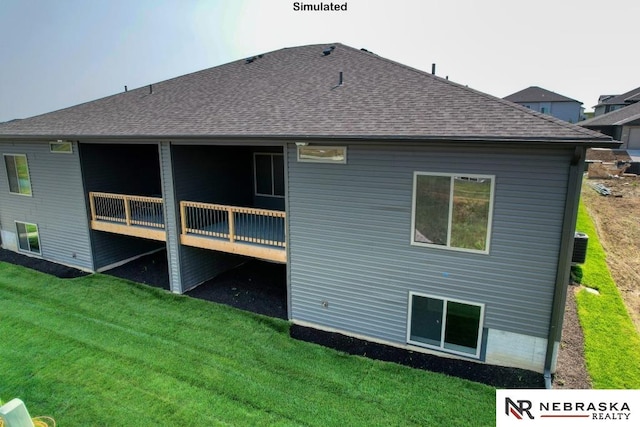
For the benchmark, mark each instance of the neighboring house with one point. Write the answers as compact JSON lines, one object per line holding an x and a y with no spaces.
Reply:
{"x":404,"y":215}
{"x":623,"y":125}
{"x":547,"y":102}
{"x":609,"y":103}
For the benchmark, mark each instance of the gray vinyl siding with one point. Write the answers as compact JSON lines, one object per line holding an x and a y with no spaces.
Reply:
{"x":131,"y":169}
{"x":171,"y":218}
{"x":121,"y":168}
{"x":111,"y":249}
{"x":350,"y":228}
{"x":213,"y":174}
{"x":57,"y":204}
{"x":567,"y":111}
{"x":210,"y":174}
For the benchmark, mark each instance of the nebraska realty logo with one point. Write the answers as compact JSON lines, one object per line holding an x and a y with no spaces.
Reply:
{"x":556,"y":407}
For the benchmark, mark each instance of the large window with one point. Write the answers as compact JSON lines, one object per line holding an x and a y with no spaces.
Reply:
{"x":452,"y":211}
{"x":18,"y":174}
{"x":28,"y":238}
{"x":269,"y":174}
{"x":445,"y":324}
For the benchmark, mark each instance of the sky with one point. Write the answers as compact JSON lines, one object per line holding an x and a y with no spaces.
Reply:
{"x":59,"y":53}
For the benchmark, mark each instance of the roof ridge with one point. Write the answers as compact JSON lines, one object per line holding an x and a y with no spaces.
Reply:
{"x":547,"y":117}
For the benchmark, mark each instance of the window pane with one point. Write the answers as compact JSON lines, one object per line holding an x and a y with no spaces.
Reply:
{"x":278,"y":175}
{"x":12,"y":174}
{"x":34,"y":239}
{"x":432,"y":209}
{"x":470,"y":219}
{"x":426,"y":320}
{"x":463,"y":323}
{"x":263,"y":174}
{"x":61,"y":147}
{"x":23,"y":239}
{"x":23,"y":174}
{"x":323,"y":154}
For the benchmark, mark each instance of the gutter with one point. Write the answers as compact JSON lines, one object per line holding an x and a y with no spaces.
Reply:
{"x":563,"y":273}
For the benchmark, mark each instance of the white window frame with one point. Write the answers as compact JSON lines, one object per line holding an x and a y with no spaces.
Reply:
{"x":28,"y":250}
{"x":441,"y":347}
{"x":255,"y":175}
{"x":5,"y":155}
{"x":303,"y":159}
{"x":61,"y":143}
{"x":448,"y":246}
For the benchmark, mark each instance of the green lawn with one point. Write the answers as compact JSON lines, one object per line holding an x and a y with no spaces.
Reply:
{"x":101,"y":351}
{"x":612,"y":344}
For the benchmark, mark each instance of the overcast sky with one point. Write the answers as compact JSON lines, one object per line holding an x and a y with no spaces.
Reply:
{"x":59,"y":53}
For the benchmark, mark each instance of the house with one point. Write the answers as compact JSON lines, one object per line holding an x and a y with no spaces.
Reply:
{"x":403,"y":215}
{"x":622,"y":124}
{"x":609,"y":103}
{"x":547,"y":102}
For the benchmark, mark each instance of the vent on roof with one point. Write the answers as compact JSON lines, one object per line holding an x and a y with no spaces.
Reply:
{"x":328,"y":50}
{"x":253,"y":58}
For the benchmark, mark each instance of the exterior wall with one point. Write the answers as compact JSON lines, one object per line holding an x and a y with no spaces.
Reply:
{"x":123,"y":169}
{"x":630,"y":137}
{"x":203,"y":174}
{"x":213,"y":174}
{"x":57,"y":204}
{"x":567,"y":111}
{"x":349,"y":241}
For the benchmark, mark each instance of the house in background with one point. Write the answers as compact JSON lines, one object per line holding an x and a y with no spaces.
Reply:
{"x":403,"y":215}
{"x":622,"y":124}
{"x":547,"y":102}
{"x":609,"y":103}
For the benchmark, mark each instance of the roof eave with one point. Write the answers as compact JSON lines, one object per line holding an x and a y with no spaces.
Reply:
{"x":588,"y":142}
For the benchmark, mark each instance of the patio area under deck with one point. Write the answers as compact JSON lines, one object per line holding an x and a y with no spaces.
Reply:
{"x":137,"y":216}
{"x":258,"y":233}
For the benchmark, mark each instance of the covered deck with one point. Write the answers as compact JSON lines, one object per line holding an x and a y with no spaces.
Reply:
{"x":258,"y":233}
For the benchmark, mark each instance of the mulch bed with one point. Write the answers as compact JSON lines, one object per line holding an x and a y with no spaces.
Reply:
{"x":260,"y":287}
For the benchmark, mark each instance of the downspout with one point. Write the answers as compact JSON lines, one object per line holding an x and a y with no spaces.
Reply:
{"x":563,"y":272}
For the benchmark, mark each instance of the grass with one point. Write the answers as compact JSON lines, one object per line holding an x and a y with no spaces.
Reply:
{"x":103,"y":351}
{"x":612,"y":345}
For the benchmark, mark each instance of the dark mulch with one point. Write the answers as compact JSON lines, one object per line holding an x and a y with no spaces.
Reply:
{"x":255,"y":286}
{"x":495,"y":376}
{"x":41,"y":265}
{"x":152,"y":270}
{"x":260,"y":287}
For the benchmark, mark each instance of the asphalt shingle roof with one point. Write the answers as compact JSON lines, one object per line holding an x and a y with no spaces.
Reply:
{"x":626,"y":98}
{"x":538,"y":94}
{"x":295,"y":92}
{"x":615,"y":118}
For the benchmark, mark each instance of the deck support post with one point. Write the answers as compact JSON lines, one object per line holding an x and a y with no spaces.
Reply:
{"x":232,"y":226}
{"x":127,"y":210}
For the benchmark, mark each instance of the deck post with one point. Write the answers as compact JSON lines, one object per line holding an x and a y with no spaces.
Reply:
{"x":232,"y":226}
{"x":183,"y":217}
{"x":92,"y":204}
{"x":127,"y":210}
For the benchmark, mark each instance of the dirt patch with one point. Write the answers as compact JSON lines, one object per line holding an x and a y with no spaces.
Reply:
{"x":617,"y":220}
{"x":571,"y":370}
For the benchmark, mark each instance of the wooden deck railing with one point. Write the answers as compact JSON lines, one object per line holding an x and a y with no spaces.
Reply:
{"x":127,"y":210}
{"x":232,"y":223}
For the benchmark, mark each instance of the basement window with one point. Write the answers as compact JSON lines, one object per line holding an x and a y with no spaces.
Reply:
{"x":452,"y":211}
{"x":322,"y":154}
{"x":445,"y":324}
{"x":28,"y":237}
{"x":61,"y":147}
{"x":18,"y":174}
{"x":268,"y":174}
